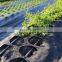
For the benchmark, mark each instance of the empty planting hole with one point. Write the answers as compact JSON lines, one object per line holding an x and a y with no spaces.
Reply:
{"x":17,"y":40}
{"x":3,"y":47}
{"x":18,"y":60}
{"x":13,"y":38}
{"x":27,"y":51}
{"x":35,"y":40}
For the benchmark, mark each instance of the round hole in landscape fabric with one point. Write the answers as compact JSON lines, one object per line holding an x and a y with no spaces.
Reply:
{"x":35,"y":40}
{"x":3,"y":47}
{"x":27,"y":50}
{"x":18,"y":40}
{"x":18,"y":60}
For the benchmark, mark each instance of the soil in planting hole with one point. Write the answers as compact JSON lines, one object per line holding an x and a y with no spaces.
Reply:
{"x":35,"y":40}
{"x":17,"y":40}
{"x":18,"y":60}
{"x":27,"y":51}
